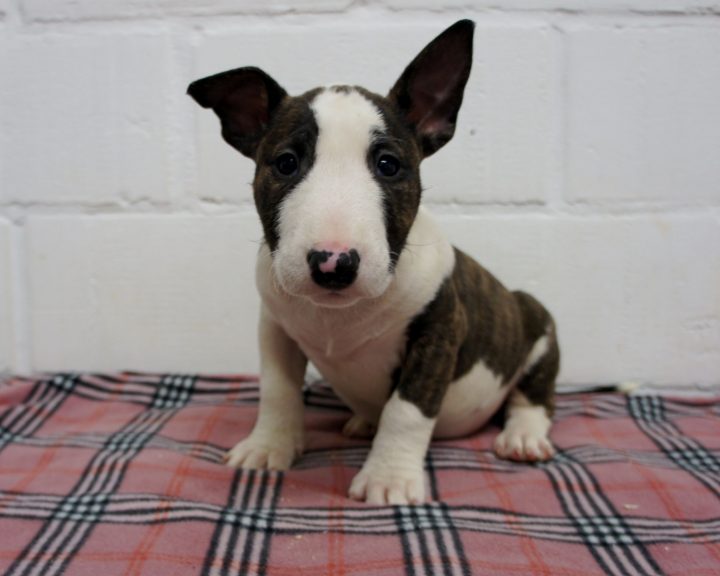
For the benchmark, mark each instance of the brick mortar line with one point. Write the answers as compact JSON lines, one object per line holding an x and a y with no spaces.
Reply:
{"x":19,"y":216}
{"x":198,"y":27}
{"x":188,"y":17}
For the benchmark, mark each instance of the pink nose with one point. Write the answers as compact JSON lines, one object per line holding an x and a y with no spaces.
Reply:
{"x":329,"y":252}
{"x":333,"y":265}
{"x":330,"y":264}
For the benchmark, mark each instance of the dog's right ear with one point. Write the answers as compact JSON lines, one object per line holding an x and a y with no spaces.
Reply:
{"x":244,"y":99}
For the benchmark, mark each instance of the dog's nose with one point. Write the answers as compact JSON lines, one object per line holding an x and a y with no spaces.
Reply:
{"x":333,"y":267}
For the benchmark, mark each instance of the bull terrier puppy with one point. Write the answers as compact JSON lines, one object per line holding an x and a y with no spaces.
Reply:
{"x":355,"y":276}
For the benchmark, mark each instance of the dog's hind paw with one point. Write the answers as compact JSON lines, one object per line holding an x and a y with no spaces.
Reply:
{"x":255,"y":453}
{"x":525,"y":435}
{"x":523,"y":446}
{"x":388,"y":486}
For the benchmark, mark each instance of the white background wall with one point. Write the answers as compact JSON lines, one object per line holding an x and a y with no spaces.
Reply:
{"x":586,"y":169}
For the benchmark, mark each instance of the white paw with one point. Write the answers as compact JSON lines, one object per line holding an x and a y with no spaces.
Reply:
{"x":260,"y":452}
{"x":523,"y":445}
{"x":388,"y":485}
{"x":357,"y":427}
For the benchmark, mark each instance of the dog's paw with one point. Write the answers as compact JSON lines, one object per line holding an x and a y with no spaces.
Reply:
{"x":357,"y":427}
{"x":262,"y":453}
{"x":388,"y":485}
{"x":523,"y":445}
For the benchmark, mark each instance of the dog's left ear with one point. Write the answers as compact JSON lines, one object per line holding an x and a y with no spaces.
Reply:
{"x":430,"y":90}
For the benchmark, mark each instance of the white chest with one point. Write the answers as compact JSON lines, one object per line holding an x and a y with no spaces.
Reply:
{"x":356,"y":352}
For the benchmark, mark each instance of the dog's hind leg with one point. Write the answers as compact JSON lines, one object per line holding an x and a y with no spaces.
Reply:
{"x":530,"y":405}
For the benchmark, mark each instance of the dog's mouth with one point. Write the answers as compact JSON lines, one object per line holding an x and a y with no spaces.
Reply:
{"x":333,"y":298}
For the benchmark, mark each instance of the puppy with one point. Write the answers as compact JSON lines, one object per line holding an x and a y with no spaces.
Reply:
{"x":355,"y":276}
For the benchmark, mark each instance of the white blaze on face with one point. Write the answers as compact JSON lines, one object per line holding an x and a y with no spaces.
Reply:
{"x":338,"y":201}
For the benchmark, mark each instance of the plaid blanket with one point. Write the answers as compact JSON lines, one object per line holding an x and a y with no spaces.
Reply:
{"x":122,"y":474}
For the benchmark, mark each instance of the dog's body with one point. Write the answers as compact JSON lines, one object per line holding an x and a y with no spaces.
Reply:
{"x":355,"y":277}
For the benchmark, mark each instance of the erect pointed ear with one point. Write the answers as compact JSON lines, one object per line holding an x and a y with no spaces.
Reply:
{"x":430,"y":90}
{"x":244,"y":99}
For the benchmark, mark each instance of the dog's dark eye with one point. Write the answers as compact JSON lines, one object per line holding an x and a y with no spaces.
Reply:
{"x":287,"y":163}
{"x":387,"y":165}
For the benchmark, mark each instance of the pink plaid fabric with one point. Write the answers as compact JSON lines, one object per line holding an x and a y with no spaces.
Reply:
{"x":122,"y":474}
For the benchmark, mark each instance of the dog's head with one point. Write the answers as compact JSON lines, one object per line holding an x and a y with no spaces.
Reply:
{"x":337,"y":179}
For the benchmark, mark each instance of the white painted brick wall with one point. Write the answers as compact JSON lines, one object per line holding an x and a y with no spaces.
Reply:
{"x":659,"y":89}
{"x":5,"y":304}
{"x":585,"y":170}
{"x":54,"y":10}
{"x":85,"y":117}
{"x":160,"y":292}
{"x":600,"y":6}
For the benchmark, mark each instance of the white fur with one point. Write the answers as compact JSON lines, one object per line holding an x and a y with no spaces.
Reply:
{"x":475,"y":397}
{"x":470,"y":402}
{"x":278,"y":435}
{"x":393,"y":471}
{"x":338,"y":201}
{"x":538,"y":350}
{"x":356,"y":348}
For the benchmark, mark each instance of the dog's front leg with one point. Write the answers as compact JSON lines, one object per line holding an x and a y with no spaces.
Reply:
{"x":278,"y":435}
{"x":393,"y":472}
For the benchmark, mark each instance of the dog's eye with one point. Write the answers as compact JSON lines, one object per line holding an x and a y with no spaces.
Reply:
{"x":287,"y":163}
{"x":387,"y":165}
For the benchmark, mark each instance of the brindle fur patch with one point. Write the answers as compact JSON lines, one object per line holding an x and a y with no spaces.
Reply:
{"x":538,"y":385}
{"x":401,"y":195}
{"x":475,"y":318}
{"x":433,"y":339}
{"x":293,"y":128}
